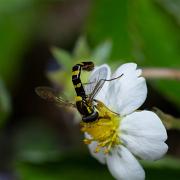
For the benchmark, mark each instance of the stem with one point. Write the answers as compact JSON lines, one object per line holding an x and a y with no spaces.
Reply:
{"x":164,"y":73}
{"x":168,"y":120}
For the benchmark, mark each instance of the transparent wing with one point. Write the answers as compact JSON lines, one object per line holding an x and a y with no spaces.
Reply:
{"x":96,"y":81}
{"x":50,"y":95}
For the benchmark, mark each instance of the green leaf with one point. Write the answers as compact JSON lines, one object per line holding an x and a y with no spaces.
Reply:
{"x":18,"y":22}
{"x":142,"y":30}
{"x":159,"y":44}
{"x":102,"y":52}
{"x":85,"y":167}
{"x":109,"y":20}
{"x":158,"y":33}
{"x":63,"y":57}
{"x":81,"y":50}
{"x":172,"y":7}
{"x":169,"y":162}
{"x":37,"y":147}
{"x":81,"y":167}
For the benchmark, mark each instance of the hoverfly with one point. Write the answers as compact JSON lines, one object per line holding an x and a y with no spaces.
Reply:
{"x":86,"y":93}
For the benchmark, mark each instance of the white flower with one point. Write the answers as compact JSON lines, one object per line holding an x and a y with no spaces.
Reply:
{"x":118,"y":138}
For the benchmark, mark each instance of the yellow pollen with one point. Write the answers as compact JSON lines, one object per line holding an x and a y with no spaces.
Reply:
{"x":105,"y":130}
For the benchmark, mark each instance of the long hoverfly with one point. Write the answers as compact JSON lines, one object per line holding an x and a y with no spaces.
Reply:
{"x":86,"y":93}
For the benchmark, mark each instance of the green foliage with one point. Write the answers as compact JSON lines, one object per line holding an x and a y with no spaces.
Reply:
{"x":81,"y":50}
{"x":63,"y":57}
{"x":166,"y":168}
{"x":142,"y":30}
{"x":36,"y":143}
{"x":85,"y":167}
{"x":172,"y":7}
{"x":109,"y":20}
{"x":168,"y":162}
{"x":13,"y":33}
{"x":18,"y":22}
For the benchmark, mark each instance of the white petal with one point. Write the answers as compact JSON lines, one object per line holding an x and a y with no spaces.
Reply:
{"x":124,"y":166}
{"x":128,"y":92}
{"x":100,"y":72}
{"x":100,"y":155}
{"x":144,"y":134}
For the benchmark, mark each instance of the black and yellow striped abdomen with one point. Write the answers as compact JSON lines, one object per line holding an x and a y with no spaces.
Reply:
{"x":85,"y":109}
{"x":76,"y":73}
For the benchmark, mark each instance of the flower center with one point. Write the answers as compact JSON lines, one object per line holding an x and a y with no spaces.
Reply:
{"x":105,"y":131}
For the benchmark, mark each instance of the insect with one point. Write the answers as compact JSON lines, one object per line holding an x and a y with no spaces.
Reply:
{"x":85,"y":101}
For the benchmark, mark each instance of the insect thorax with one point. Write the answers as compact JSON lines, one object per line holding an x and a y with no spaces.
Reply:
{"x":104,"y":130}
{"x":86,"y":109}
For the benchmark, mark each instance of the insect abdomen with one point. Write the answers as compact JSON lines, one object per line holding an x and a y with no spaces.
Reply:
{"x":76,"y":73}
{"x":87,"y":111}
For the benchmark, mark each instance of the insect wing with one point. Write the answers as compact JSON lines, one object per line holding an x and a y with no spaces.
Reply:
{"x":96,"y":81}
{"x":46,"y":93}
{"x":96,"y":89}
{"x":50,"y":95}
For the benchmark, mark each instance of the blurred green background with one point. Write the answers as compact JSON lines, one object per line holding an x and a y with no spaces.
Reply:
{"x":40,"y":40}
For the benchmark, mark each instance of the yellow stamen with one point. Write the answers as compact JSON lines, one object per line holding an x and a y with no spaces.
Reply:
{"x":105,"y":131}
{"x":88,"y":141}
{"x":97,"y":149}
